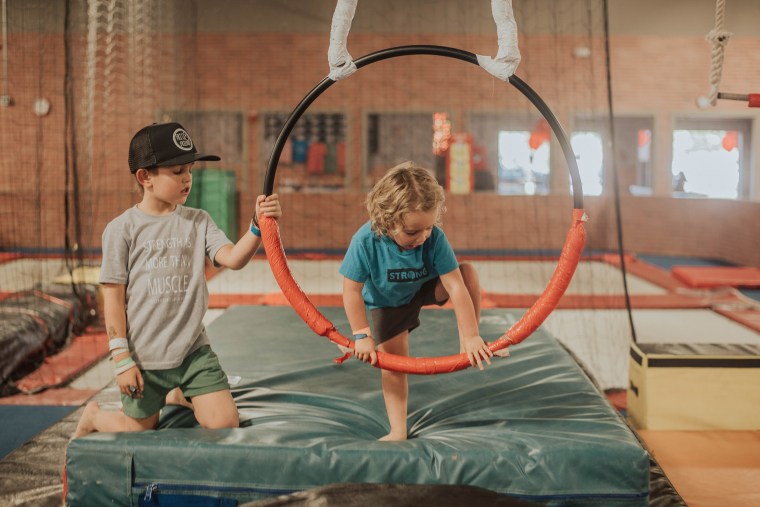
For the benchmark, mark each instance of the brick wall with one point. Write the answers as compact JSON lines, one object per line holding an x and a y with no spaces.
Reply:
{"x":658,"y":76}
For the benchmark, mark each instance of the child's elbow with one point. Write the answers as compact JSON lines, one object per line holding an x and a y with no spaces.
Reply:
{"x":238,"y":265}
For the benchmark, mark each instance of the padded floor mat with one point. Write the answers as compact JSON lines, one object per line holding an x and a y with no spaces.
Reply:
{"x":532,"y":426}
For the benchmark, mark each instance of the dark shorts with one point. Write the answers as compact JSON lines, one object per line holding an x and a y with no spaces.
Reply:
{"x":200,"y":373}
{"x":389,"y":322}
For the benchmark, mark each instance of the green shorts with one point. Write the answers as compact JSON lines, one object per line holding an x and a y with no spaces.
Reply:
{"x":200,"y":373}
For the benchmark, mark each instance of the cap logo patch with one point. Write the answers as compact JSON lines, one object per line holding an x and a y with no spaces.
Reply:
{"x":182,"y":140}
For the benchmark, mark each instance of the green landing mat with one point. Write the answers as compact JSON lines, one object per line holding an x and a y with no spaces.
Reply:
{"x":531,"y":426}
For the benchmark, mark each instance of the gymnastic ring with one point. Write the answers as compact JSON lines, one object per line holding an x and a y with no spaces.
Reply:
{"x":531,"y":320}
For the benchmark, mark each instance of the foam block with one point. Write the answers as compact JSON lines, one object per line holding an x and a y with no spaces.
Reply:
{"x":694,"y":386}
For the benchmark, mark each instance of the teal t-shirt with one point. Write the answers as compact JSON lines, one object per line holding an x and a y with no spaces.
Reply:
{"x":392,"y":276}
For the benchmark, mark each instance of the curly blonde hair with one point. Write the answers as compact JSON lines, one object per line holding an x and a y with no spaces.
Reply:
{"x":405,"y":188}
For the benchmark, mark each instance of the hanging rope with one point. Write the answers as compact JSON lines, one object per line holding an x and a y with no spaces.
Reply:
{"x":502,"y":66}
{"x":718,"y":37}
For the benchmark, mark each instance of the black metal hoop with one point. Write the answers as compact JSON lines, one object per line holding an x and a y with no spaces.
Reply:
{"x":448,"y":52}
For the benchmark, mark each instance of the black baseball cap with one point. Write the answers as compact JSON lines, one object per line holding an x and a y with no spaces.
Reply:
{"x":161,"y":145}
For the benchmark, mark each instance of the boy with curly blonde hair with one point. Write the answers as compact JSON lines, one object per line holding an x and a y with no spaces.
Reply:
{"x":398,"y":262}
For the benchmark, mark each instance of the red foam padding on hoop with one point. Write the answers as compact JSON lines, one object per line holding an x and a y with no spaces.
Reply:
{"x":754,"y":100}
{"x":717,"y":276}
{"x":529,"y":322}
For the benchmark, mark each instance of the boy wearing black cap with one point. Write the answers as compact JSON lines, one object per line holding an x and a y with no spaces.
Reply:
{"x":155,"y":293}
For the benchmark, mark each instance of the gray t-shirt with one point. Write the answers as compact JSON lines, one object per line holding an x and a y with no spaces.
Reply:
{"x":161,"y":260}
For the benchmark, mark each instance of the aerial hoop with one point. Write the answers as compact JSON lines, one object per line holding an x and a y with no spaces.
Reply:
{"x":533,"y":317}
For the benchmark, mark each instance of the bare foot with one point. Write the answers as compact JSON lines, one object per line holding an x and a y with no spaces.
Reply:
{"x":393,"y":437}
{"x":175,"y":397}
{"x":86,"y":422}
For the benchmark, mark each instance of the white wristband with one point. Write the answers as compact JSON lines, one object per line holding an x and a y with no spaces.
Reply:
{"x":116,"y":352}
{"x":118,"y":343}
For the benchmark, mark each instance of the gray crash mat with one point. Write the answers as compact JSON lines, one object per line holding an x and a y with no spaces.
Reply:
{"x":530,"y":427}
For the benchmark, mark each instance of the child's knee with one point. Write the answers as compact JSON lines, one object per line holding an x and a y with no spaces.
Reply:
{"x":145,"y":424}
{"x":217,"y":412}
{"x":219,"y":420}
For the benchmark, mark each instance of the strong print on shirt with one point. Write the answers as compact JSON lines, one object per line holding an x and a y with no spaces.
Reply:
{"x":406,"y":274}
